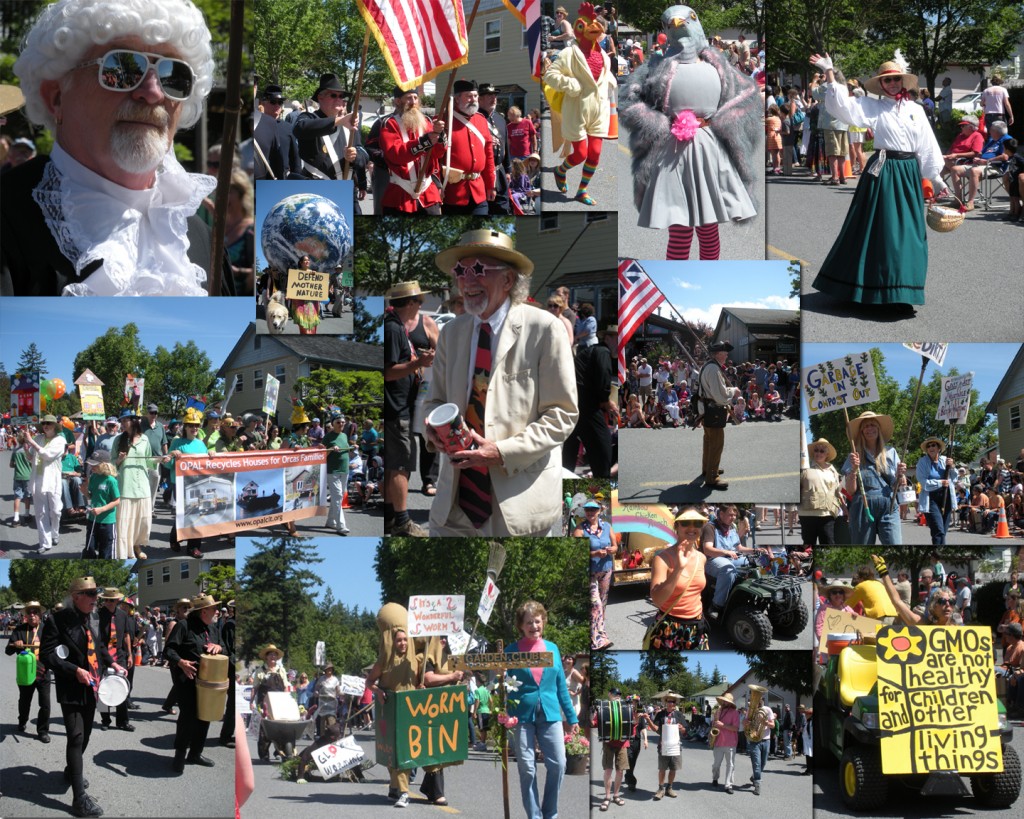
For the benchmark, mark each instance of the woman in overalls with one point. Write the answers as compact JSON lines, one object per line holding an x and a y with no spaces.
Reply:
{"x":880,"y":470}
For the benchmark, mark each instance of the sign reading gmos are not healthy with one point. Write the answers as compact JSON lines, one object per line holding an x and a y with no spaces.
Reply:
{"x":937,"y":700}
{"x":844,"y":382}
{"x":226,"y":492}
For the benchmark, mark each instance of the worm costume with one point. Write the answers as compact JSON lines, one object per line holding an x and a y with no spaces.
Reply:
{"x":696,"y":136}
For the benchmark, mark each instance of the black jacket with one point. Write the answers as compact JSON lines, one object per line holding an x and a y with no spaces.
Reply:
{"x":31,"y":263}
{"x":121,"y":627}
{"x":187,"y":642}
{"x":23,"y":632}
{"x":308,"y":130}
{"x":278,"y":146}
{"x":68,"y":628}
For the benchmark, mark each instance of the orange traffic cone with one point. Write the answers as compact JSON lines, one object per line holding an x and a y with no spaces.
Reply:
{"x":1002,"y":528}
{"x":847,"y":169}
{"x":138,"y":654}
{"x":613,"y":121}
{"x":344,"y":502}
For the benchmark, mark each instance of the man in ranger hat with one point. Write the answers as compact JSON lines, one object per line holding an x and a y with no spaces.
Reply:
{"x":326,"y":137}
{"x":727,"y":723}
{"x":401,"y":382}
{"x":413,"y":148}
{"x":25,"y":637}
{"x":715,"y":397}
{"x":116,"y":631}
{"x":508,"y":368}
{"x":73,"y":649}
{"x":467,"y":178}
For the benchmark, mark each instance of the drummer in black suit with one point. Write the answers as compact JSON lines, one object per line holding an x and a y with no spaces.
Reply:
{"x":192,"y":637}
{"x":25,"y":636}
{"x":73,"y":649}
{"x":115,"y":630}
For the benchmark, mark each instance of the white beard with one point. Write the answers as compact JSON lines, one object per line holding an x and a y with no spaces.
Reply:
{"x":139,"y":148}
{"x":469,"y":110}
{"x":475,"y":306}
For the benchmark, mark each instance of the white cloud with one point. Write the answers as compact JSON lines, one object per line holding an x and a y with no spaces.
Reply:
{"x":682,"y":284}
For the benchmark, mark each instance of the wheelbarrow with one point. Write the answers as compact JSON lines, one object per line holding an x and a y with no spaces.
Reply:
{"x":283,"y":733}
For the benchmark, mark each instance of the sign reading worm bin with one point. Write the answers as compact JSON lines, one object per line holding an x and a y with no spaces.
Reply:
{"x":422,"y":727}
{"x":937,"y":700}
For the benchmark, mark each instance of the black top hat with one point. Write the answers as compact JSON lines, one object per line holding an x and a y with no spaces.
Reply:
{"x":486,"y":88}
{"x":721,"y":347}
{"x":330,"y":82}
{"x":462,"y":86}
{"x":272,"y":93}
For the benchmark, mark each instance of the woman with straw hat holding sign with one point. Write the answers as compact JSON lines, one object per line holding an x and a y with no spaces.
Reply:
{"x":938,"y":497}
{"x":881,"y":256}
{"x":871,"y":472}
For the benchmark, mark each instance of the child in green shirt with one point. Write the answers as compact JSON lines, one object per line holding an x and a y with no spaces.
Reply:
{"x":104,"y":497}
{"x":21,"y":463}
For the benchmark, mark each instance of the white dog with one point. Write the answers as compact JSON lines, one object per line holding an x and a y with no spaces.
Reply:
{"x":277,"y":314}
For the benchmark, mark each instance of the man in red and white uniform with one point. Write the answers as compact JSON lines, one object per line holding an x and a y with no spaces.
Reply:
{"x":413,"y":148}
{"x":469,"y":159}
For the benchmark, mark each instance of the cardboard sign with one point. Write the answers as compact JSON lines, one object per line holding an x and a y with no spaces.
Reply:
{"x":955,"y":401}
{"x":458,"y":643}
{"x":845,"y":622}
{"x":930,"y":349}
{"x":228,"y":492}
{"x":487,"y":599}
{"x":937,"y":700}
{"x":500,"y":660}
{"x":353,"y":686}
{"x":92,"y":402}
{"x":347,"y":280}
{"x":308,"y":285}
{"x":433,"y":615}
{"x":243,"y":698}
{"x":270,"y":394}
{"x":282,"y":705}
{"x":426,"y":726}
{"x":332,"y":760}
{"x":843,"y":382}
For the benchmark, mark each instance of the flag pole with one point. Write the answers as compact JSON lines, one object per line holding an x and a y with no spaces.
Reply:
{"x":917,"y":394}
{"x":346,"y":169}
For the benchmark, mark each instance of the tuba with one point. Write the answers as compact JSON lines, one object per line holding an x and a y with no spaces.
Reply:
{"x":713,"y":736}
{"x":756,"y":721}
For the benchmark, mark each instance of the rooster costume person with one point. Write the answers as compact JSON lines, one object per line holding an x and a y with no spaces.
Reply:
{"x":582,"y":73}
{"x":696,"y":133}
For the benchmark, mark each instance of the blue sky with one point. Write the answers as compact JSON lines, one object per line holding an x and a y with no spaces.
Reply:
{"x":61,"y":328}
{"x":732,"y":665}
{"x":700,"y":291}
{"x":347,"y":568}
{"x":269,"y":193}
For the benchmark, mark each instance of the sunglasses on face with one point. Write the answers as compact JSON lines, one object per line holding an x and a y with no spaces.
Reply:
{"x":477,"y":270}
{"x":89,"y":592}
{"x":819,"y":449}
{"x":943,"y":601}
{"x":125,"y":70}
{"x":554,"y":307}
{"x":933,"y":446}
{"x":690,"y":524}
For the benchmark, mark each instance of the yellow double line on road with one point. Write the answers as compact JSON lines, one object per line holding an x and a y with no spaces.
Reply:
{"x":733,"y":479}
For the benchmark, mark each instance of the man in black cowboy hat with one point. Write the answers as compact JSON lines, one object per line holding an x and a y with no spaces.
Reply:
{"x":499,"y":133}
{"x":277,"y":153}
{"x":326,"y":137}
{"x":468,"y":179}
{"x":715,"y":398}
{"x":73,"y":649}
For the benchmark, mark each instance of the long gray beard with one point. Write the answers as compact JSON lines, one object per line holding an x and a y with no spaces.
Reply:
{"x":414,"y":121}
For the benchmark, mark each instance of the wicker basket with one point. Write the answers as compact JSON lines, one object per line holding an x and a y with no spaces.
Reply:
{"x":943,"y":219}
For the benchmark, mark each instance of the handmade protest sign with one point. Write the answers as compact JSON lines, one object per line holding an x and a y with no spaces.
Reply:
{"x":937,"y":700}
{"x":331,"y":760}
{"x":431,"y":615}
{"x":838,"y":384}
{"x":425,"y":726}
{"x":270,"y":394}
{"x":845,"y":622}
{"x":488,"y":597}
{"x":955,"y":401}
{"x":934,"y":350}
{"x":351,"y":685}
{"x":308,"y":285}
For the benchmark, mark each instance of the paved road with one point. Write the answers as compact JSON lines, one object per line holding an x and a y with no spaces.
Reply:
{"x":340,"y":326}
{"x":746,"y":241}
{"x":761,"y":463}
{"x":603,"y":187}
{"x":806,"y":218}
{"x":129,"y":773}
{"x":905,"y":803}
{"x":914,"y":535}
{"x":23,"y":540}
{"x":630,"y":612}
{"x":784,"y":792}
{"x":473,"y":790}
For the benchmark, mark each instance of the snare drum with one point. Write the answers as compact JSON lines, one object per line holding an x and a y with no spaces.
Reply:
{"x":112,"y":691}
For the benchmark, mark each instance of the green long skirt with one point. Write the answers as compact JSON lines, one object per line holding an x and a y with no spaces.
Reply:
{"x":881,"y":256}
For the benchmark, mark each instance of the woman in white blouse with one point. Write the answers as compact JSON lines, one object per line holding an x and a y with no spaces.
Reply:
{"x":47,"y":451}
{"x":881,"y":256}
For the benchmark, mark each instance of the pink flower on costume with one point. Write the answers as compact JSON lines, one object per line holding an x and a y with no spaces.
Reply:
{"x":511,"y":722}
{"x":685,"y":125}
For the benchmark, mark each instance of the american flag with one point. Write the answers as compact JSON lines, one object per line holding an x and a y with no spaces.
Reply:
{"x":519,"y":8}
{"x":638,"y":298}
{"x":533,"y":31}
{"x":419,"y":38}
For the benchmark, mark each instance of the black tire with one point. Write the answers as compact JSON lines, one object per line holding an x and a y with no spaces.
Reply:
{"x":1002,"y":789}
{"x":792,"y":622}
{"x":862,"y":784}
{"x":749,"y":629}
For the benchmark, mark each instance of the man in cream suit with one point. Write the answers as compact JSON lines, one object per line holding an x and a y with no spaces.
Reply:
{"x":514,"y":382}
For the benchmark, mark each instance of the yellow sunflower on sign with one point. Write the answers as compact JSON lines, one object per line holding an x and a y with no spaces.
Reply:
{"x":903,"y":643}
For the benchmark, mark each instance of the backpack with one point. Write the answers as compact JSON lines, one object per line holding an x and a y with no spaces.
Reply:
{"x":797,"y":117}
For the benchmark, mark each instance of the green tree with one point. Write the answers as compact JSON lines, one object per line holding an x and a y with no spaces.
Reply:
{"x":840,"y":561}
{"x":359,"y":394}
{"x":274,"y":600}
{"x":48,"y":580}
{"x":111,"y":357}
{"x":367,"y":327}
{"x":32,"y":360}
{"x":219,"y":581}
{"x":174,"y":375}
{"x":660,"y":666}
{"x":788,"y":670}
{"x":604,"y":674}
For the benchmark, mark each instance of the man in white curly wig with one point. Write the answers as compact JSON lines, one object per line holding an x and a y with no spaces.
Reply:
{"x":110,"y":212}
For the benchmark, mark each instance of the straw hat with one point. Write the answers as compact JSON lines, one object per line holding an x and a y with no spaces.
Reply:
{"x":726,"y":699}
{"x":111,"y":593}
{"x":691,"y":514}
{"x":890,"y":69}
{"x":32,"y":605}
{"x":830,"y":454}
{"x":404,"y":290}
{"x":884,"y":422}
{"x":670,"y":696}
{"x":11,"y":99}
{"x":930,"y":439}
{"x":82,"y":584}
{"x":201,"y":601}
{"x":265,"y":651}
{"x":838,"y":584}
{"x":485,"y":242}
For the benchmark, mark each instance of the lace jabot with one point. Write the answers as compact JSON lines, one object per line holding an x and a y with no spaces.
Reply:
{"x":139,"y":236}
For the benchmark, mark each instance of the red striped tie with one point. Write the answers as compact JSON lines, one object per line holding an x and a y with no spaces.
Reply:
{"x":475,"y":482}
{"x":90,"y":653}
